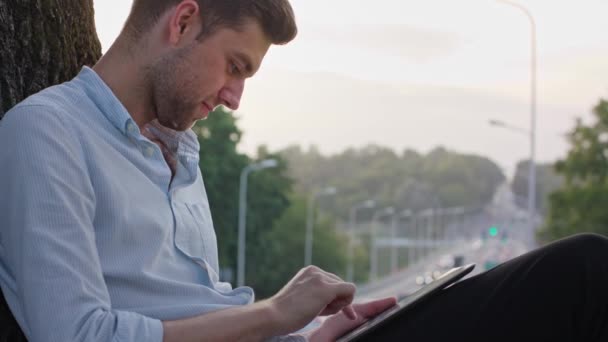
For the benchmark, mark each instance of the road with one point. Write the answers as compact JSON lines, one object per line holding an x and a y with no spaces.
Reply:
{"x":484,"y":253}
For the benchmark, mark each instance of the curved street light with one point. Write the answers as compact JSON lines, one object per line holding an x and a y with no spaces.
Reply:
{"x":330,"y":190}
{"x":516,"y":129}
{"x":264,"y":164}
{"x":532,"y":131}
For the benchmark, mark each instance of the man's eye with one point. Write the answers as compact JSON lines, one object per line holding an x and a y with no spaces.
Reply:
{"x":234,"y":69}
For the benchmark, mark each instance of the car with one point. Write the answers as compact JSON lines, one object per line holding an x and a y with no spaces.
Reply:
{"x":446,"y":261}
{"x":458,"y":260}
{"x":490,"y":264}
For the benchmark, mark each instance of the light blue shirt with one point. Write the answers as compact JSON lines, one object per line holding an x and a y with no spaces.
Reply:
{"x":97,"y":242}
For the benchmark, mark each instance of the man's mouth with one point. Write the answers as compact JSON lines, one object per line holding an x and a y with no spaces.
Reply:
{"x":206,"y":109}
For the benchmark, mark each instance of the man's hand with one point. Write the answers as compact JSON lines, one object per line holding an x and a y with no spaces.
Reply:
{"x":337,"y":325}
{"x":312,"y":292}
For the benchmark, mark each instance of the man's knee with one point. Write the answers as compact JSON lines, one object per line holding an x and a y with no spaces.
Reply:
{"x":584,"y":246}
{"x":589,"y":241}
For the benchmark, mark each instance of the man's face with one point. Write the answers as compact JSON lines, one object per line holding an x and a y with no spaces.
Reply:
{"x":190,"y":81}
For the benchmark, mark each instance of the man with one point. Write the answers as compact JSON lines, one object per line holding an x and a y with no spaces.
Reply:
{"x":106,"y":231}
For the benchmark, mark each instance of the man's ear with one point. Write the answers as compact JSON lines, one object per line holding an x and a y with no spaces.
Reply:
{"x":184,"y":23}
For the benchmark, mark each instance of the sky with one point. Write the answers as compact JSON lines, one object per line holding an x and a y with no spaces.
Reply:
{"x":417,"y":74}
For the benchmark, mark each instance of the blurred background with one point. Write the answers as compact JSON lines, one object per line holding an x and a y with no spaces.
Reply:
{"x":395,"y":139}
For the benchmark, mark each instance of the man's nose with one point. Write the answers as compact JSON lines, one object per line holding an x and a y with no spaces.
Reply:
{"x":230,"y":95}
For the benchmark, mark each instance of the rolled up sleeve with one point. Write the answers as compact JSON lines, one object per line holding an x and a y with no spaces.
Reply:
{"x":52,"y":276}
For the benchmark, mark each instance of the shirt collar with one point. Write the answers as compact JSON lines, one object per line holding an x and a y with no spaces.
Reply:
{"x":182,"y":143}
{"x":185,"y":143}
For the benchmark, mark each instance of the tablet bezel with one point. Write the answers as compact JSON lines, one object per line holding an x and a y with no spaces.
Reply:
{"x":445,"y":280}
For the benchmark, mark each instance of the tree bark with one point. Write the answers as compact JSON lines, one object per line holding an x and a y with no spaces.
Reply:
{"x":42,"y":43}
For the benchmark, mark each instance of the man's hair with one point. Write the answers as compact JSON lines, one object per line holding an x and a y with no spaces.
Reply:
{"x":274,"y":16}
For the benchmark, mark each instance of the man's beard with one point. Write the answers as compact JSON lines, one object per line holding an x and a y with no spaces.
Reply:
{"x":169,"y":96}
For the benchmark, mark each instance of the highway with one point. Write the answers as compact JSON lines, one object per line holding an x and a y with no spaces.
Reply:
{"x":484,"y":253}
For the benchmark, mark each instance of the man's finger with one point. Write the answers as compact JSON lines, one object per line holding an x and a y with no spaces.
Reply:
{"x":333,"y":276}
{"x":344,"y":290}
{"x":344,"y":294}
{"x":327,"y":275}
{"x":350,"y":312}
{"x":373,"y":308}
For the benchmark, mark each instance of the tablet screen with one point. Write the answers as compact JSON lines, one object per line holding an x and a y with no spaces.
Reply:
{"x":442,"y":282}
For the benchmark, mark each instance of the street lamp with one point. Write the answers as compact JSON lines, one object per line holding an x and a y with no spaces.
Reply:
{"x":373,"y":255}
{"x":532,"y":131}
{"x":264,"y":164}
{"x":517,"y":129}
{"x":310,"y":221}
{"x":350,"y":270}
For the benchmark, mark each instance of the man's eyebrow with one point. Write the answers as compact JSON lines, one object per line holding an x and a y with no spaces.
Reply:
{"x":246,"y":60}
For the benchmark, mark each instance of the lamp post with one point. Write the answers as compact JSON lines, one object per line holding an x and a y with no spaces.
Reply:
{"x":410,"y":227}
{"x":350,"y":270}
{"x":532,"y":131}
{"x":264,"y":164}
{"x":458,"y":219}
{"x":310,"y":221}
{"x":427,"y":217}
{"x":418,"y":224}
{"x":531,"y":198}
{"x":373,"y":255}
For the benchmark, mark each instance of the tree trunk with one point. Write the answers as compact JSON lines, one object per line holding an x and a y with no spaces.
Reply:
{"x":42,"y":43}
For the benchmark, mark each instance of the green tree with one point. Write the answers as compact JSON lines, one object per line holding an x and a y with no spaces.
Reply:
{"x":221,"y":165}
{"x":408,"y":180}
{"x":547,"y":181}
{"x":580,"y":205}
{"x":461,"y":180}
{"x":282,"y":250}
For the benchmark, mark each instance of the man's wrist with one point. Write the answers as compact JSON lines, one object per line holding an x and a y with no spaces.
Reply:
{"x":316,"y":335}
{"x":273,"y":315}
{"x":254,"y":322}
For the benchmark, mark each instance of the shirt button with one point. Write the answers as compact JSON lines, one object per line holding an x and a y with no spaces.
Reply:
{"x":131,"y":128}
{"x":149,"y":151}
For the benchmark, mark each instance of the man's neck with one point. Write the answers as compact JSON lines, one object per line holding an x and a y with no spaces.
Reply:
{"x":124,"y":73}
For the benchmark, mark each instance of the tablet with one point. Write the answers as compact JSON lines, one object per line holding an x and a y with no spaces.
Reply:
{"x":408,"y":302}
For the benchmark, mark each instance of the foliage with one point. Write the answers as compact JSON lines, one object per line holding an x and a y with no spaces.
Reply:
{"x":408,"y":181}
{"x":580,"y":205}
{"x":221,"y":166}
{"x":280,"y":252}
{"x":276,"y":211}
{"x":547,"y":181}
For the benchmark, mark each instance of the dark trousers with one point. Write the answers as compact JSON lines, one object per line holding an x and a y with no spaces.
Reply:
{"x":9,"y":329}
{"x":556,"y":293}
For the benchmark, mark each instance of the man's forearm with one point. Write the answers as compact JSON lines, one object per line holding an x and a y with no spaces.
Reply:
{"x":255,"y":322}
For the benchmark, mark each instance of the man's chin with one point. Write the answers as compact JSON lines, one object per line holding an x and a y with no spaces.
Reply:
{"x":179,"y":126}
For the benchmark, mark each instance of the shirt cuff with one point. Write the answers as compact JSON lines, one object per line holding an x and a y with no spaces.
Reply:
{"x":136,"y":327}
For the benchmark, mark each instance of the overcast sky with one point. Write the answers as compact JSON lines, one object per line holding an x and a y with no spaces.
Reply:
{"x":421,"y":73}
